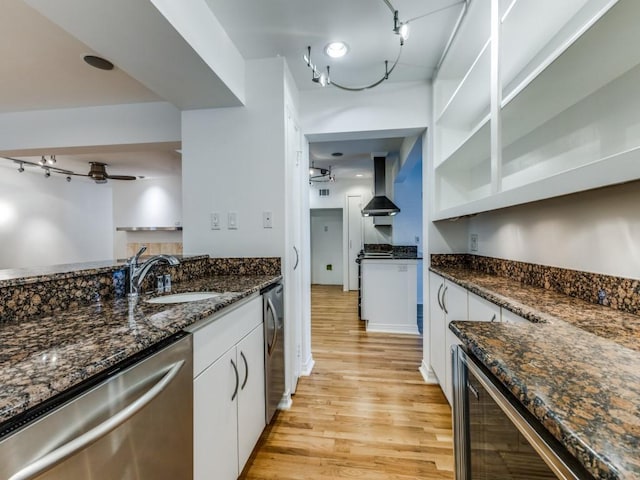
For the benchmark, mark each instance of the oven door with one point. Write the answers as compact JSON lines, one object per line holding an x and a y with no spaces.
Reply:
{"x":495,"y":438}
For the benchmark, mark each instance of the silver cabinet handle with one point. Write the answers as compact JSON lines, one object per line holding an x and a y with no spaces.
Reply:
{"x":439,"y":302}
{"x":271,"y":308}
{"x":235,"y":369}
{"x":246,"y":370}
{"x":297,"y":257}
{"x":81,"y":442}
{"x":444,"y":297}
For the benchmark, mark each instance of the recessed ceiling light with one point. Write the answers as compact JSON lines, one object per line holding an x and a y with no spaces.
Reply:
{"x":359,"y":175}
{"x":98,"y":62}
{"x":336,"y":154}
{"x":336,"y":49}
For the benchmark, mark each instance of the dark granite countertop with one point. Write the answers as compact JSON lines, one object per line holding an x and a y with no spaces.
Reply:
{"x":45,"y":356}
{"x":575,"y":367}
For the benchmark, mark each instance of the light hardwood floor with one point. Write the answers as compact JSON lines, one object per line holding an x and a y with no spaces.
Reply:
{"x":365,"y":411}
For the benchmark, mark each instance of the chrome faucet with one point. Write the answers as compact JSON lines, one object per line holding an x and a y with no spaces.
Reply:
{"x":137,"y":272}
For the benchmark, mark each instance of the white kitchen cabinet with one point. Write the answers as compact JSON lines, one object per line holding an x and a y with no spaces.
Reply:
{"x":229,"y":395}
{"x":390,"y":295}
{"x":447,"y":302}
{"x":509,"y":317}
{"x":565,"y":109}
{"x":481,"y":310}
{"x":251,"y":393}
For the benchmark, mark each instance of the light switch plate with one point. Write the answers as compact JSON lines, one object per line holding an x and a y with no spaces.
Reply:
{"x":215,"y":221}
{"x":267,"y":219}
{"x":232,"y":220}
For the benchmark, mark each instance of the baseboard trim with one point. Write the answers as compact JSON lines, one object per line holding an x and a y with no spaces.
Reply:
{"x":307,"y":367}
{"x":427,"y":374}
{"x":286,"y":401}
{"x":411,"y":329}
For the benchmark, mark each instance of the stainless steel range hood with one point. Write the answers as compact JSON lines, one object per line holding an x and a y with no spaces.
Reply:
{"x":380,"y":205}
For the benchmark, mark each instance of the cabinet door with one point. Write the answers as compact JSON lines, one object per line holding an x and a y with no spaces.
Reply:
{"x":510,"y":317}
{"x":454,"y":299}
{"x":251,"y":396}
{"x":215,"y":420}
{"x":437,"y":327}
{"x":481,"y":310}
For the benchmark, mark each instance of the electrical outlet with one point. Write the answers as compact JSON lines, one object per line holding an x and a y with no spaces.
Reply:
{"x":215,"y":221}
{"x":232,"y":221}
{"x":473,"y":242}
{"x":602,"y":297}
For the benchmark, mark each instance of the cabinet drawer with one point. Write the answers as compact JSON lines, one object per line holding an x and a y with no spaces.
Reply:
{"x":213,"y":340}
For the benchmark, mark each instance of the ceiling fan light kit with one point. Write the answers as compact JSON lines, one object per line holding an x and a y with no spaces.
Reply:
{"x":97,"y":170}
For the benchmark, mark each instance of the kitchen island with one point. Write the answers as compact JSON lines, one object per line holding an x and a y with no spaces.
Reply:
{"x":388,"y":289}
{"x":575,"y":366}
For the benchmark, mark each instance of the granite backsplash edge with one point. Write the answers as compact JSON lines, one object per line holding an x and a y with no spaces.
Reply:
{"x":615,"y":292}
{"x":45,"y":294}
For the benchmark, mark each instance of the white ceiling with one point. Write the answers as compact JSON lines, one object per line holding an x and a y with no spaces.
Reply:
{"x":285,"y":28}
{"x":356,"y":158}
{"x":42,"y":65}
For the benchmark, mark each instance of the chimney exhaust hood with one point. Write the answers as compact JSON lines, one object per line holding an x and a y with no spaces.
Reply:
{"x":380,"y":205}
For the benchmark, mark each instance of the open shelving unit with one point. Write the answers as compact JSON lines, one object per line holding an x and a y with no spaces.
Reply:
{"x":569,"y":108}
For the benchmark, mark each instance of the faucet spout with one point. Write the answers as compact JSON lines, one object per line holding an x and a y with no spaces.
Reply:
{"x":137,"y":273}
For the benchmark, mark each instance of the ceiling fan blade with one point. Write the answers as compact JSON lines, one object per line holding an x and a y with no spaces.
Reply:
{"x":120,"y":177}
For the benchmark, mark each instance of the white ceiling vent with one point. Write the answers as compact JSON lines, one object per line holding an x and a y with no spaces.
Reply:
{"x":323,"y":192}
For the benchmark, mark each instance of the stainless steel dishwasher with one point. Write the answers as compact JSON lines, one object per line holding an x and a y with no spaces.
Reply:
{"x":273,"y":308}
{"x":134,"y":422}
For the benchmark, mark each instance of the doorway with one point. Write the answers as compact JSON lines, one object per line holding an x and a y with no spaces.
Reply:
{"x":326,"y":246}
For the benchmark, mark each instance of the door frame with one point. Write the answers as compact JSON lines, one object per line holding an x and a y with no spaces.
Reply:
{"x":346,"y":215}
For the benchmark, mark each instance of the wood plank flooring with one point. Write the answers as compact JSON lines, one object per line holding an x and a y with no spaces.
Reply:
{"x":365,"y":411}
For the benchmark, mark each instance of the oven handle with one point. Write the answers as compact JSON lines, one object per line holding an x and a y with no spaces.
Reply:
{"x":81,"y":442}
{"x":553,"y":461}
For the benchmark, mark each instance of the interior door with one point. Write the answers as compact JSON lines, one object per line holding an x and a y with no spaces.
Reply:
{"x":354,"y":239}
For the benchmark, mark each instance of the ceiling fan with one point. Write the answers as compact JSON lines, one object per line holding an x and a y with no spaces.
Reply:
{"x":98,"y":172}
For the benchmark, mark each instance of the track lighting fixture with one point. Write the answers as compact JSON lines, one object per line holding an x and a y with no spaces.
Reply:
{"x":339,"y":49}
{"x":97,"y":172}
{"x":319,"y":174}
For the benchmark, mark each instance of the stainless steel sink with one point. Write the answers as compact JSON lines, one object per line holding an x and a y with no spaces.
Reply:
{"x":184,"y":297}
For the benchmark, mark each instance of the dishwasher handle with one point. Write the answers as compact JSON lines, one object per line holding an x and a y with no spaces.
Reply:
{"x":81,"y":442}
{"x":274,"y":314}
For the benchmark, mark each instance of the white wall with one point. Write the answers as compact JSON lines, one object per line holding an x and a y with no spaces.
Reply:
{"x":151,"y":202}
{"x":89,"y":126}
{"x":326,"y":246}
{"x":49,"y":221}
{"x":596,"y":231}
{"x":389,"y":106}
{"x":338,"y":199}
{"x":233,"y":161}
